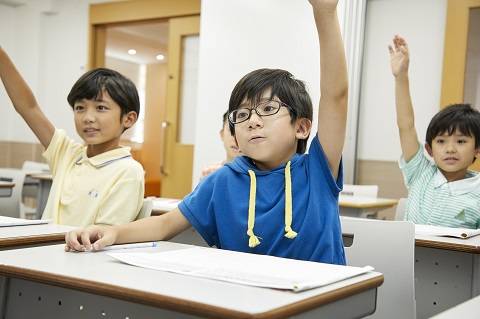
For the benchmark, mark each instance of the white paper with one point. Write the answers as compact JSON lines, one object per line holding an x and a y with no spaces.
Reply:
{"x":463,"y":233}
{"x":243,"y":268}
{"x":11,"y":221}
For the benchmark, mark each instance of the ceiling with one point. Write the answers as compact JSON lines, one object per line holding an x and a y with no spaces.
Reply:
{"x":148,"y":39}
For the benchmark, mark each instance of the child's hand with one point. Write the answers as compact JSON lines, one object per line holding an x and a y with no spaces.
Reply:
{"x":399,"y":56}
{"x":81,"y":239}
{"x":324,"y":4}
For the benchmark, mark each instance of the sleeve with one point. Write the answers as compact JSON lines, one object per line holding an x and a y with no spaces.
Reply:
{"x":318,"y":162}
{"x":198,"y":209}
{"x":59,"y":146}
{"x":414,"y":168}
{"x":123,"y":202}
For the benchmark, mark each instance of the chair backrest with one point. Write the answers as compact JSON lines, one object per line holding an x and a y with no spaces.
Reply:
{"x":389,"y":247}
{"x":146,"y":209}
{"x":35,"y":167}
{"x":10,"y":206}
{"x":360,"y":190}
{"x":401,"y":207}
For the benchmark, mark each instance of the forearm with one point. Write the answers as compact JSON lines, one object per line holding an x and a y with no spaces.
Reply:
{"x":405,"y":117}
{"x":333,"y":75}
{"x":17,"y":89}
{"x":403,"y":104}
{"x":154,"y":228}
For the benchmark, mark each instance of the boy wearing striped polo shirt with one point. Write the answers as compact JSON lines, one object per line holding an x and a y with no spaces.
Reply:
{"x":443,"y":192}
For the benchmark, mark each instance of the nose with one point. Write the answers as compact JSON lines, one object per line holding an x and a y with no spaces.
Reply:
{"x":255,"y":120}
{"x":450,"y":148}
{"x":89,"y":116}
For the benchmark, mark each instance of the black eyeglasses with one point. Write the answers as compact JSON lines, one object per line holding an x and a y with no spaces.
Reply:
{"x":266,"y":108}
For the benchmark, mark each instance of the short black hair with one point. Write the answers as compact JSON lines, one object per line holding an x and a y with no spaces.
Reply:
{"x":121,"y":89}
{"x":455,"y":117}
{"x":282,"y":84}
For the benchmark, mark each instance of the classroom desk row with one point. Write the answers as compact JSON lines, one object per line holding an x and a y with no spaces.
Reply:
{"x":46,"y":282}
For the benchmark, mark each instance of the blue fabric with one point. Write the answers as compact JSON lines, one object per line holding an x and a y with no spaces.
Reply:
{"x":218,"y":208}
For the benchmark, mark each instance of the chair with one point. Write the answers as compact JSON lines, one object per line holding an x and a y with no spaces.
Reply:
{"x":401,"y":208}
{"x":389,"y":247}
{"x":146,"y":209}
{"x":11,"y":206}
{"x":360,"y":190}
{"x":35,"y":167}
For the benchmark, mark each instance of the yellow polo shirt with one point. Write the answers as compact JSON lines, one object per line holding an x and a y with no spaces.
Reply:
{"x":103,"y":189}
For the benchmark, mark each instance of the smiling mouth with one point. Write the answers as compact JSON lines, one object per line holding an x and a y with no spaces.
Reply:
{"x":90,"y":130}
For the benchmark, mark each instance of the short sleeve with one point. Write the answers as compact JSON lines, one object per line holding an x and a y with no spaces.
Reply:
{"x":415,"y":167}
{"x":122,"y":204}
{"x":197,"y":207}
{"x":59,"y":146}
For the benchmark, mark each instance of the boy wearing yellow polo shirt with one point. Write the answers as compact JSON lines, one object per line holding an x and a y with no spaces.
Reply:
{"x":98,"y":182}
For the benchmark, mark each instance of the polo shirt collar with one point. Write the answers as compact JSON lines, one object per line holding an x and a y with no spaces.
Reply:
{"x":106,"y":158}
{"x":459,"y":187}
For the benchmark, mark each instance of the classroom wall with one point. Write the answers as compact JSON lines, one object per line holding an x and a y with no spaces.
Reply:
{"x":240,"y":36}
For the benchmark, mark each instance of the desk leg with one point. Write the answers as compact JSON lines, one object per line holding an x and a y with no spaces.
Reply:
{"x":4,"y":281}
{"x":42,"y":196}
{"x":443,"y":279}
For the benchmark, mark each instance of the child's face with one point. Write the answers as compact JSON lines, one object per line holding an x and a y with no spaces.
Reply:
{"x":100,"y":124}
{"x":229,"y":143}
{"x":453,"y":153}
{"x":269,"y":140}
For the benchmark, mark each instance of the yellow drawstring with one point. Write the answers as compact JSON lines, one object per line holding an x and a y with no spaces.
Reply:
{"x":289,"y":233}
{"x":253,"y":241}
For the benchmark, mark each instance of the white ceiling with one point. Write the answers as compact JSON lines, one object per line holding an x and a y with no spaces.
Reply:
{"x":148,"y":39}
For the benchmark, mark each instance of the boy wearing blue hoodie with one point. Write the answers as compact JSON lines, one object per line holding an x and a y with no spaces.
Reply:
{"x":274,"y":200}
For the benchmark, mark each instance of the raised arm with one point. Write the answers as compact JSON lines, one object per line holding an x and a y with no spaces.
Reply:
{"x":399,"y":60}
{"x":23,"y":100}
{"x":332,"y":113}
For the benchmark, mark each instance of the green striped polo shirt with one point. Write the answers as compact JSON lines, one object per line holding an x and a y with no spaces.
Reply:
{"x":432,"y":200}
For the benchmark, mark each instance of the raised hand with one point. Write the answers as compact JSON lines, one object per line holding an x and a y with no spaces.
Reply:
{"x":399,"y":56}
{"x":324,"y":4}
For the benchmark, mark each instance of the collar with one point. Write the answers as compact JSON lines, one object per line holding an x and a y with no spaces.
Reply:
{"x":462,"y":186}
{"x":105,"y":158}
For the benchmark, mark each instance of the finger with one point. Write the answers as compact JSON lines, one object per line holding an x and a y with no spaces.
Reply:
{"x":390,"y":50}
{"x":72,"y":240}
{"x":85,"y":236}
{"x":103,"y":240}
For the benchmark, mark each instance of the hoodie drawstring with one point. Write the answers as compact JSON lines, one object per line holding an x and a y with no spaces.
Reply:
{"x":289,"y":232}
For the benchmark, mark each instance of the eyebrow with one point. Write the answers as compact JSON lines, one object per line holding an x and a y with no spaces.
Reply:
{"x":265,"y":99}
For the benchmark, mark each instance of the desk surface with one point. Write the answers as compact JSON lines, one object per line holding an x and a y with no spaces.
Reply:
{"x":16,"y":236}
{"x":41,"y":176}
{"x":469,"y":245}
{"x":97,"y":273}
{"x":365,"y":202}
{"x":4,"y":184}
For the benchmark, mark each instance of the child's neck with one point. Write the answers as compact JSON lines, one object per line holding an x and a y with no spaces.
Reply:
{"x":454,"y":176}
{"x":96,"y":149}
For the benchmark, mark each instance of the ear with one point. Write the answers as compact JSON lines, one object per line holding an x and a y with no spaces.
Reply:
{"x":221,"y":133}
{"x":429,"y":149}
{"x":303,"y":127}
{"x":129,"y":119}
{"x":477,"y":153}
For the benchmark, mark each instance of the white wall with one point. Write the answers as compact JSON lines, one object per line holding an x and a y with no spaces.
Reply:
{"x":237,"y":37}
{"x":47,"y":40}
{"x":422,"y":23}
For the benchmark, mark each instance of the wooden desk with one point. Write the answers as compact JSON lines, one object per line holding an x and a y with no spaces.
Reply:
{"x":32,"y":235}
{"x":468,"y":309}
{"x":6,"y":189}
{"x":45,"y":183}
{"x":46,"y":282}
{"x":447,"y":272}
{"x":357,"y":206}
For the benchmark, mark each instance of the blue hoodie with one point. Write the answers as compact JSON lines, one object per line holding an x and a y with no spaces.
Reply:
{"x":292,"y":210}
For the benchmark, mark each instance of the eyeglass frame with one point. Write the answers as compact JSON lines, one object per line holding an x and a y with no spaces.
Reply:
{"x":255,"y":109}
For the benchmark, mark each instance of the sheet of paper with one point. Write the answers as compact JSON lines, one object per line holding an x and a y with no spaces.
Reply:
{"x":11,"y":221}
{"x":446,"y":231}
{"x":243,"y":268}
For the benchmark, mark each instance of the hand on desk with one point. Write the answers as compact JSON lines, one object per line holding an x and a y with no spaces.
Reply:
{"x":93,"y":237}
